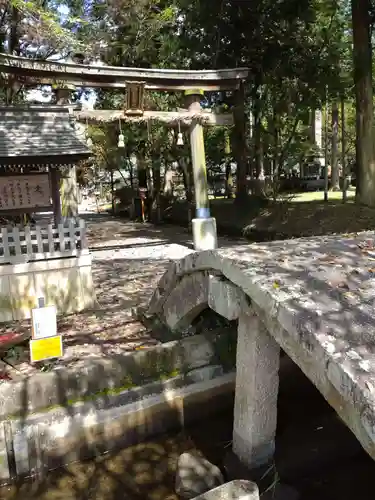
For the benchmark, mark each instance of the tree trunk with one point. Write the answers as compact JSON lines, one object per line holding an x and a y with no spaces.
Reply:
{"x":258,"y":149}
{"x":13,"y":41}
{"x":156,"y":189}
{"x":275,"y":166}
{"x":326,"y":148}
{"x":142,"y":185}
{"x":240,"y":144}
{"x":259,"y":165}
{"x":13,"y":44}
{"x":131,"y":172}
{"x":113,"y":193}
{"x":318,"y":131}
{"x":335,"y":173}
{"x":251,"y":142}
{"x":168,"y":183}
{"x":365,"y":150}
{"x":312,"y":126}
{"x":258,"y":146}
{"x":228,"y":180}
{"x":142,"y":171}
{"x":343,"y":151}
{"x":187,"y":176}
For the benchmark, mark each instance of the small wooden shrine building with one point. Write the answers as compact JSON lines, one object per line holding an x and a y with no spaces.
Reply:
{"x":39,"y":149}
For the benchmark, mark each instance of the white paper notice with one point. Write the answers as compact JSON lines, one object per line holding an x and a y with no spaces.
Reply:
{"x":44,"y":322}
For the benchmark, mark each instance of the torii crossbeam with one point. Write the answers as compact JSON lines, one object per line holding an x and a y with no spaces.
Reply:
{"x":116,"y":76}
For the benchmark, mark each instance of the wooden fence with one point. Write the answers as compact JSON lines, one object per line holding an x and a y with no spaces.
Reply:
{"x":29,"y":243}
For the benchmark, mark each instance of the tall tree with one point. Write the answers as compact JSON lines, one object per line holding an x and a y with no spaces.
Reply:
{"x":365,"y":146}
{"x":335,"y":172}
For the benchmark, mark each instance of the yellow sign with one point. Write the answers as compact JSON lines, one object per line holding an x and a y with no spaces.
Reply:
{"x":194,"y":92}
{"x":49,"y":348}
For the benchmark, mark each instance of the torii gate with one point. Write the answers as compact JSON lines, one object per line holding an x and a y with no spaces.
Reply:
{"x":135,"y":81}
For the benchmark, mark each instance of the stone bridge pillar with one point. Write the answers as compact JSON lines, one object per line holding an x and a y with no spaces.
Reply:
{"x":257,"y":382}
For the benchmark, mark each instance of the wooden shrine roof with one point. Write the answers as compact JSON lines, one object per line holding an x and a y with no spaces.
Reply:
{"x":33,"y":134}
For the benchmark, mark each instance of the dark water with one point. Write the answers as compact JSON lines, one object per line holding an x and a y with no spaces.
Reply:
{"x":316,"y":454}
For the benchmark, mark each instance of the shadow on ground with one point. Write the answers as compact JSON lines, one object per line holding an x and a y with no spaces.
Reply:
{"x":282,"y":220}
{"x":104,"y":228}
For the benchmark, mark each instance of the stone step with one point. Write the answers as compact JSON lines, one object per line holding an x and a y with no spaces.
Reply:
{"x":234,"y":490}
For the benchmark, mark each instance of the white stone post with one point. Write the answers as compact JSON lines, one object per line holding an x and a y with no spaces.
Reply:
{"x":257,"y":382}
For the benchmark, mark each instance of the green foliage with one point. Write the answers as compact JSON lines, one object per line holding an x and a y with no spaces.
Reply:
{"x":298,"y":53}
{"x":39,"y":25}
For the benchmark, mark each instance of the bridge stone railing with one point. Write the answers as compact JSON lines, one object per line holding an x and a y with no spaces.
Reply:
{"x":314,"y":298}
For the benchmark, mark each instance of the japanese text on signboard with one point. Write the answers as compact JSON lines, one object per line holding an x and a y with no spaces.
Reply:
{"x":24,"y":191}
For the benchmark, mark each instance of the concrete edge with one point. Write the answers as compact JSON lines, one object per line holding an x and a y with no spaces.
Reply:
{"x":113,"y":375}
{"x":45,"y":441}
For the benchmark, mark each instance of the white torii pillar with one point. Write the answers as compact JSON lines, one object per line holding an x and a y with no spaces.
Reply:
{"x":203,"y":225}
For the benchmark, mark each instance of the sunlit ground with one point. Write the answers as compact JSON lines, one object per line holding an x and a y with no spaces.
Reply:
{"x":319,"y":195}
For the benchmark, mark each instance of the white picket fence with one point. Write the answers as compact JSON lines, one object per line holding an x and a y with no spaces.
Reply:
{"x":31,"y":243}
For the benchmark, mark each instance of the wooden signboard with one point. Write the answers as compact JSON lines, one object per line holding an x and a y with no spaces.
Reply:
{"x":26,"y":191}
{"x":134,"y":98}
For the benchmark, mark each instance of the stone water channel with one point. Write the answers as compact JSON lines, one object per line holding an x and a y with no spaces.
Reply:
{"x":315,"y":452}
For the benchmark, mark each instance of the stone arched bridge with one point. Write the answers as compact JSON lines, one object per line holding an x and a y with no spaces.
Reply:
{"x":314,"y":298}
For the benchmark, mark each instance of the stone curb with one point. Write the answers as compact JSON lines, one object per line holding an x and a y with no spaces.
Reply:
{"x":44,"y":441}
{"x":101,"y":378}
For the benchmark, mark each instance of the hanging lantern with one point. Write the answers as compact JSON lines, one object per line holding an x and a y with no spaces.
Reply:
{"x":121,"y":138}
{"x":121,"y":141}
{"x":180,"y":137}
